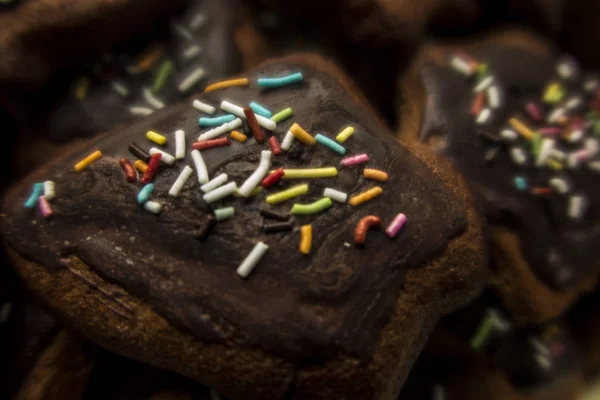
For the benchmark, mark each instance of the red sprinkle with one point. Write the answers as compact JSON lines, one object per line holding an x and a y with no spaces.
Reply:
{"x":275,"y":147}
{"x":259,"y":135}
{"x":152,"y":169}
{"x":272,"y":178}
{"x":130,"y":173}
{"x":542,"y":191}
{"x":478,"y":104}
{"x":208,"y":144}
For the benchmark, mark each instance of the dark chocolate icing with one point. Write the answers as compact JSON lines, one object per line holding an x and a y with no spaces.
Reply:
{"x":561,"y":251}
{"x":300,"y":307}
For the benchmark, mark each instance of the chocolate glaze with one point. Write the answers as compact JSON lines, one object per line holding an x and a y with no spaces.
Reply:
{"x":300,"y":307}
{"x":560,"y":251}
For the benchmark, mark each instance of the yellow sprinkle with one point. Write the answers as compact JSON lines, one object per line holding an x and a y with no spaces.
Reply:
{"x":345,"y":134}
{"x":226,"y":84}
{"x":521,"y":128}
{"x":156,"y":138}
{"x":140,"y":166}
{"x":88,"y":160}
{"x":555,"y":165}
{"x":238,"y":136}
{"x":371,"y":173}
{"x":81,"y":87}
{"x":306,"y":239}
{"x":287,"y":194}
{"x":302,"y":135}
{"x":309,"y":173}
{"x":551,"y":92}
{"x":365,"y":196}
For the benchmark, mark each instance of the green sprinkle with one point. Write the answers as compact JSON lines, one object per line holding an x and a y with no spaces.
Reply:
{"x":281,"y":115}
{"x":222,"y":214}
{"x":162,"y":75}
{"x":597,"y":127}
{"x":81,"y":86}
{"x":482,"y":70}
{"x":313,"y":208}
{"x":482,"y":333}
{"x":536,"y":144}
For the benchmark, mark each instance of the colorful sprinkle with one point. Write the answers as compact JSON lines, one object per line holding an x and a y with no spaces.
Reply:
{"x":267,"y":212}
{"x":88,"y":160}
{"x":137,"y":151}
{"x":336,"y":195}
{"x":478,"y":104}
{"x":216,"y":121}
{"x":166,"y":157}
{"x":260,"y":110}
{"x":239,"y":112}
{"x":355,"y":160}
{"x":222,"y":214}
{"x":200,"y":167}
{"x":220,"y":193}
{"x":345,"y":134}
{"x":272,"y":178}
{"x":257,"y":132}
{"x":140,"y":111}
{"x":145,"y":193}
{"x":363,"y":226}
{"x":375,"y":174}
{"x":309,"y":173}
{"x":288,"y":139}
{"x":276,"y":227}
{"x":156,"y":138}
{"x":302,"y":135}
{"x":305,"y":239}
{"x":191,"y":80}
{"x":258,"y":175}
{"x":520,"y":183}
{"x":49,"y":190}
{"x":152,"y":100}
{"x":184,"y":175}
{"x":203,"y":107}
{"x":325,"y":141}
{"x":520,"y":127}
{"x":140,"y":166}
{"x":45,"y":207}
{"x":153,"y":207}
{"x":209,"y":144}
{"x":162,"y":75}
{"x":215,"y":132}
{"x":152,"y":169}
{"x":282,"y":115}
{"x":287,"y":194}
{"x":279,"y":82}
{"x":130,"y":174}
{"x":395,"y":226}
{"x":179,"y":144}
{"x":365,"y":196}
{"x":36,"y":192}
{"x":238,"y":136}
{"x":214,"y":183}
{"x":226,"y":84}
{"x":313,"y":208}
{"x":249,"y":263}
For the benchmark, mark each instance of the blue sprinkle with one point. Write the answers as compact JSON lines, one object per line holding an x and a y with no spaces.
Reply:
{"x":278,"y":82}
{"x":216,"y":121}
{"x":36,"y":192}
{"x":520,"y":183}
{"x":260,"y":110}
{"x":325,"y":141}
{"x":144,"y":194}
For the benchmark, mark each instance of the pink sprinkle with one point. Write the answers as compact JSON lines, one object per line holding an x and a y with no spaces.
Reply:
{"x":583,"y":155}
{"x":533,"y":111}
{"x":394,"y":227}
{"x":550,"y":131}
{"x":45,"y":207}
{"x":349,"y":161}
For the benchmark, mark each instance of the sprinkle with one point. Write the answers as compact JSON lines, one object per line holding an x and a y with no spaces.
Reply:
{"x":305,"y":239}
{"x":493,"y":96}
{"x":287,"y":194}
{"x":359,"y":159}
{"x":567,"y":68}
{"x":345,"y":134}
{"x":594,"y":166}
{"x":252,"y":259}
{"x":302,"y":135}
{"x":518,"y":155}
{"x":206,"y":228}
{"x":149,"y":58}
{"x":156,"y":138}
{"x":121,"y":89}
{"x":534,"y":111}
{"x":521,"y":128}
{"x":461,"y":65}
{"x":200,"y":167}
{"x":213,"y":133}
{"x":484,"y":84}
{"x":552,"y":93}
{"x":520,"y":183}
{"x":45,"y":207}
{"x":484,"y":116}
{"x":491,"y":154}
{"x":325,"y":141}
{"x":509,"y":135}
{"x":192,"y":79}
{"x":191,"y":52}
{"x":363,"y":226}
{"x":220,"y":193}
{"x":49,"y":190}
{"x":152,"y":169}
{"x":336,"y":195}
{"x":209,"y":144}
{"x":592,"y":145}
{"x":288,"y":139}
{"x":483,"y":331}
{"x":279,"y":82}
{"x":162,"y":75}
{"x":577,"y":206}
{"x":375,"y":174}
{"x":36,"y":192}
{"x":203,"y":107}
{"x":151,"y":99}
{"x":221,"y":214}
{"x":559,"y":184}
{"x":257,"y":176}
{"x":255,"y":192}
{"x":274,"y":145}
{"x":181,"y":31}
{"x":267,"y":212}
{"x":590,"y":84}
{"x":308,"y":173}
{"x":239,"y":137}
{"x":282,"y":115}
{"x":555,"y":165}
{"x":545,"y":151}
{"x":153,"y":207}
{"x":127,"y":167}
{"x":573,"y":102}
{"x":556,"y":115}
{"x":226,"y":84}
{"x":214,"y":183}
{"x":272,"y":178}
{"x":239,"y":112}
{"x":260,"y":110}
{"x":395,"y":226}
{"x":140,"y":111}
{"x":216,"y":121}
{"x":145,"y":193}
{"x":81,"y":86}
{"x":185,"y":174}
{"x":365,"y":196}
{"x":88,"y":160}
{"x":277,"y":227}
{"x":257,"y":132}
{"x":542,"y":191}
{"x":198,"y":21}
{"x":478,"y":104}
{"x":313,"y":208}
{"x":137,"y":151}
{"x":140,"y":166}
{"x":179,"y":144}
{"x":550,"y":131}
{"x":166,"y":157}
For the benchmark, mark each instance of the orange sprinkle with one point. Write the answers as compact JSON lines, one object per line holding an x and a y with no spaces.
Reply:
{"x":88,"y":160}
{"x":148,"y":58}
{"x":305,"y":239}
{"x":302,"y":135}
{"x":542,"y":191}
{"x":365,"y":196}
{"x":238,"y":136}
{"x":226,"y":84}
{"x":371,"y":173}
{"x":140,"y":166}
{"x":478,"y":104}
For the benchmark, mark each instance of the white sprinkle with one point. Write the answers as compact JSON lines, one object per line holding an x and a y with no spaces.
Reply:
{"x":559,"y":184}
{"x":499,"y":322}
{"x":153,"y":207}
{"x":573,"y":159}
{"x":592,"y":145}
{"x":594,"y":166}
{"x":182,"y":31}
{"x":252,"y":259}
{"x":193,"y":78}
{"x":49,"y":190}
{"x":198,"y":21}
{"x":484,"y":84}
{"x":545,"y":151}
{"x":179,"y":144}
{"x":558,"y":155}
{"x":518,"y":155}
{"x":120,"y":89}
{"x":461,"y":66}
{"x":140,"y":111}
{"x":573,"y":102}
{"x":203,"y":107}
{"x":577,"y":206}
{"x":509,"y":135}
{"x":185,"y":174}
{"x":214,"y":395}
{"x":166,"y":157}
{"x":191,"y":52}
{"x":239,"y":112}
{"x":590,"y":84}
{"x":220,"y":193}
{"x":254,"y":179}
{"x":575,"y":136}
{"x":336,"y":195}
{"x":567,"y":68}
{"x":214,"y":183}
{"x":556,"y":114}
{"x":483,"y":116}
{"x":439,"y":393}
{"x":539,"y":347}
{"x":347,"y":244}
{"x":5,"y":312}
{"x":543,"y":362}
{"x":288,"y":139}
{"x":219,"y":130}
{"x":200,"y":166}
{"x":151,"y":99}
{"x":493,"y":95}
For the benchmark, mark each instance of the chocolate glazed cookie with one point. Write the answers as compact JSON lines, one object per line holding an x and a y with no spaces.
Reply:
{"x":542,"y":237}
{"x":201,"y":282}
